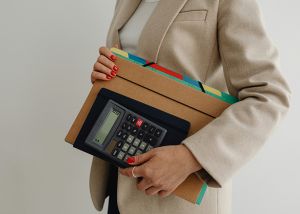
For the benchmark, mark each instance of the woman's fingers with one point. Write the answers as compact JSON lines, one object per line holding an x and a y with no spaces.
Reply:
{"x":164,"y":193}
{"x":99,"y":76}
{"x":152,"y":190}
{"x":106,"y":52}
{"x":108,"y":63}
{"x":143,"y":184}
{"x":139,"y":171}
{"x":103,"y":69}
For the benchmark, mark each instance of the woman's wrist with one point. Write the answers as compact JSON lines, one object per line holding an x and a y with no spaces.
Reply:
{"x":192,"y":164}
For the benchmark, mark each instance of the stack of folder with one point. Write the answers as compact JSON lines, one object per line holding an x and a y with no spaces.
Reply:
{"x":184,"y":79}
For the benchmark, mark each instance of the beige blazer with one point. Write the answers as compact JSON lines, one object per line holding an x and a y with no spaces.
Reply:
{"x":223,"y":44}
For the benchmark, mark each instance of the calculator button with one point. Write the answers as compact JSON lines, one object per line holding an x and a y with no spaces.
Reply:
{"x":133,"y":119}
{"x":114,"y":152}
{"x":138,"y":152}
{"x":125,"y":147}
{"x":143,"y":145}
{"x":121,"y":155}
{"x":124,"y":126}
{"x":120,"y":143}
{"x":158,"y":132}
{"x":141,"y":134}
{"x":129,"y":128}
{"x":126,"y":157}
{"x":146,"y":138}
{"x":136,"y":142}
{"x":152,"y":129}
{"x":139,"y":122}
{"x":131,"y":150}
{"x":119,"y":134}
{"x":145,"y":126}
{"x":124,"y":136}
{"x":129,"y":117}
{"x":130,"y":139}
{"x":149,"y":148}
{"x":152,"y":140}
{"x":134,"y":130}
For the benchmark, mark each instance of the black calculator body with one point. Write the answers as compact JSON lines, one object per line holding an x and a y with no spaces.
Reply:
{"x":118,"y":127}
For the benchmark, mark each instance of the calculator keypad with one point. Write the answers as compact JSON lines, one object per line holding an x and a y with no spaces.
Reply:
{"x":121,"y":155}
{"x":134,"y":131}
{"x":136,"y":142}
{"x":135,"y":136}
{"x":125,"y":147}
{"x":130,"y":139}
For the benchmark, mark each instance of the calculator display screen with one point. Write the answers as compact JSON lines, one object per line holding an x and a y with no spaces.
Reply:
{"x":108,"y":123}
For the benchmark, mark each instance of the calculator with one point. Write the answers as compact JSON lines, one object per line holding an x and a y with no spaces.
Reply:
{"x":118,"y":127}
{"x":122,"y":133}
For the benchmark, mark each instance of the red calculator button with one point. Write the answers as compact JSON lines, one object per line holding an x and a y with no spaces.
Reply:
{"x":139,"y":122}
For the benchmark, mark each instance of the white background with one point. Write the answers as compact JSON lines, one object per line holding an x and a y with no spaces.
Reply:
{"x":47,"y":49}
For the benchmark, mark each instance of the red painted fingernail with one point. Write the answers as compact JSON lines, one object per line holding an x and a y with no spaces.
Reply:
{"x":108,"y":77}
{"x":113,"y":57}
{"x":113,"y":73}
{"x":130,"y":160}
{"x":115,"y":68}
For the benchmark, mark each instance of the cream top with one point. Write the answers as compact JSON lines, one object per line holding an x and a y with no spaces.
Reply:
{"x":131,"y":31}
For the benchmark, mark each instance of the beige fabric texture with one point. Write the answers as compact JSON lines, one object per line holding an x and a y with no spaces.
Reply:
{"x":222,"y":43}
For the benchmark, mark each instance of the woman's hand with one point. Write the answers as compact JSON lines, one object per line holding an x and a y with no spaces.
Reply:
{"x":104,"y":68}
{"x":162,"y":169}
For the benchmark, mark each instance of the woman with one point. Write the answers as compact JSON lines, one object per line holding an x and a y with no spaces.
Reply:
{"x":223,"y":44}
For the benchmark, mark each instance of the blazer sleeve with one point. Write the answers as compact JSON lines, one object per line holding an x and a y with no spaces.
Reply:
{"x":250,"y":65}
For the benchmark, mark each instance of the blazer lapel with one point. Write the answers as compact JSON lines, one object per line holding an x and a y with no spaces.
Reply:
{"x":154,"y":30}
{"x":157,"y":27}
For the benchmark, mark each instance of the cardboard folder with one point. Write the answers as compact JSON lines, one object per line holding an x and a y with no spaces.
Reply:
{"x":163,"y":89}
